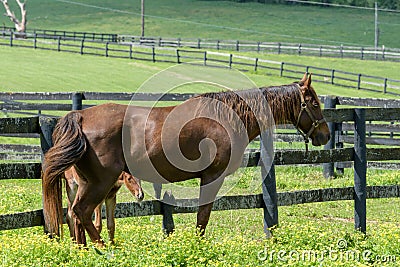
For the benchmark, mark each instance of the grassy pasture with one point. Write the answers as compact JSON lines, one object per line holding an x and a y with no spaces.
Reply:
{"x":29,"y":70}
{"x":217,"y":20}
{"x":233,"y":238}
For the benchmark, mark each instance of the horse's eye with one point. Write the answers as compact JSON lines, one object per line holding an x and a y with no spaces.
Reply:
{"x":315,"y":104}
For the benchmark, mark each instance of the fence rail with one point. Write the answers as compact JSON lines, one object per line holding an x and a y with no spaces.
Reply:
{"x":154,"y":207}
{"x":341,"y":51}
{"x":177,"y":55}
{"x":384,"y":134}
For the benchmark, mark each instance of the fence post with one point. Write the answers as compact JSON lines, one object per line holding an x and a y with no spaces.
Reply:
{"x":256,"y":64}
{"x":82,"y":45}
{"x":230,"y":60}
{"x":59,"y":44}
{"x":282,"y":63}
{"x":167,"y":210}
{"x":391,"y":134}
{"x":360,"y":170}
{"x":359,"y":81}
{"x":237,"y":45}
{"x":47,"y":125}
{"x":332,"y":76}
{"x":385,"y":86}
{"x":205,"y":58}
{"x":178,"y":57}
{"x":329,"y":168}
{"x":77,"y":100}
{"x":11,"y":38}
{"x":341,"y":50}
{"x":34,"y":40}
{"x":270,"y":196}
{"x":339,"y":144}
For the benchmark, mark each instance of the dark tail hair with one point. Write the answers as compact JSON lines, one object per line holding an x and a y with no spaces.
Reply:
{"x":69,"y":146}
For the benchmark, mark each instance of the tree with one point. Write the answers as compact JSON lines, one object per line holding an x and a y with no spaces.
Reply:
{"x":20,"y":26}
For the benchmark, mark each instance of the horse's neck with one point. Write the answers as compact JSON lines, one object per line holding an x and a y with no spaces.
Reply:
{"x":283,"y":102}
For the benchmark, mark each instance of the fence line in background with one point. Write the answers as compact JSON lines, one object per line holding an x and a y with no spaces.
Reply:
{"x":342,"y":51}
{"x":169,"y":55}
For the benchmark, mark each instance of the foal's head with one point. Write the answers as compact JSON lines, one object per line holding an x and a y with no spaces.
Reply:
{"x":133,"y":184}
{"x":310,"y":121}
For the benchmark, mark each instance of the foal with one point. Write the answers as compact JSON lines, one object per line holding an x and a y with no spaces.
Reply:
{"x":72,"y":178}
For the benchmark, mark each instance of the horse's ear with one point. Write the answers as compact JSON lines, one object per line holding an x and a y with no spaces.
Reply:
{"x":308,"y":81}
{"x":304,"y":79}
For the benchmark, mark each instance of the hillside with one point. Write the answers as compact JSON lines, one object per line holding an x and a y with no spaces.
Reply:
{"x":218,"y":20}
{"x":49,"y":71}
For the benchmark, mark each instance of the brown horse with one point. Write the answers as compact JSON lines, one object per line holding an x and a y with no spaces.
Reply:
{"x":204,"y":137}
{"x":72,"y":182}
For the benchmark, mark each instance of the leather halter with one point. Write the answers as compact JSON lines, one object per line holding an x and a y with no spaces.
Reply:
{"x":315,"y":122}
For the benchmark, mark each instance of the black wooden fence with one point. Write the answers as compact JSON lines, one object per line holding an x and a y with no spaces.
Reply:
{"x":342,"y":51}
{"x":383,"y":134}
{"x":269,"y":200}
{"x":176,"y":55}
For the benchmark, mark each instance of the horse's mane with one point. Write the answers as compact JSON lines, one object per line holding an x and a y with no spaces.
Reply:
{"x":283,"y":100}
{"x":247,"y":104}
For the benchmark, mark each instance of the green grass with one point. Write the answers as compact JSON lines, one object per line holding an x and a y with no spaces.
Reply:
{"x":140,"y":242}
{"x":233,"y":238}
{"x":29,"y":70}
{"x":219,"y":20}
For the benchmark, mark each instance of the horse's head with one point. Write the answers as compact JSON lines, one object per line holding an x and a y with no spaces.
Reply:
{"x":310,"y":121}
{"x":134,"y":185}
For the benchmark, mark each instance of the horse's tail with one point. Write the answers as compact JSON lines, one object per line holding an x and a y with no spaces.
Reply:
{"x":69,"y":146}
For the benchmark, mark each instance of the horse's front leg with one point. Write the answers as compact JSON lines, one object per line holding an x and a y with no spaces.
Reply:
{"x":209,"y":188}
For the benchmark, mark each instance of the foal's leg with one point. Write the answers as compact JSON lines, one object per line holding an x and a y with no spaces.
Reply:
{"x":208,"y":191}
{"x":111,"y":203}
{"x":71,"y":188}
{"x":97,"y":218}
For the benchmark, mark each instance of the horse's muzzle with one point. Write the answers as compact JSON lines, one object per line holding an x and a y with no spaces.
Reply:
{"x":140,"y":195}
{"x":320,"y":139}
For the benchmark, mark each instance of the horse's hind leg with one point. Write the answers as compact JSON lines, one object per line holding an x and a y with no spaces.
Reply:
{"x":89,"y":196}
